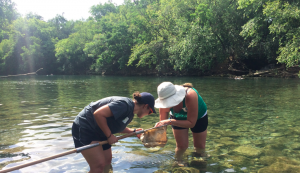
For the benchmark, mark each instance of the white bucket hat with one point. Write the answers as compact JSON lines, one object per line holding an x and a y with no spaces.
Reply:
{"x":169,"y":95}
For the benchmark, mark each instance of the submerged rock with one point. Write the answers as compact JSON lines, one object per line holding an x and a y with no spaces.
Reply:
{"x":239,"y":160}
{"x":280,"y":168}
{"x":160,"y":171}
{"x":198,"y":162}
{"x":295,"y":146}
{"x":226,"y":139}
{"x":185,"y":170}
{"x":279,"y":165}
{"x":274,"y":149}
{"x":242,"y":129}
{"x":276,"y":134}
{"x":229,"y":143}
{"x":272,"y":152}
{"x":248,"y":150}
{"x":267,"y":160}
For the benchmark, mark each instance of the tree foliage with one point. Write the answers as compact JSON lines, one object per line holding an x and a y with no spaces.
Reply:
{"x":161,"y":35}
{"x":29,"y":47}
{"x":7,"y":15}
{"x":69,"y":51}
{"x":275,"y":28}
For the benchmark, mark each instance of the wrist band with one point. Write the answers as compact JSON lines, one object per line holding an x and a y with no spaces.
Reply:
{"x":134,"y":130}
{"x":170,"y":122}
{"x":109,"y":136}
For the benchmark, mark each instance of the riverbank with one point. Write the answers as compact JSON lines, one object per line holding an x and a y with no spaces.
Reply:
{"x":268,"y":71}
{"x":281,"y":72}
{"x":271,"y":70}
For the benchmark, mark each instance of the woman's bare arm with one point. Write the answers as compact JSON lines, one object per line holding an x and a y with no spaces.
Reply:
{"x":163,"y":113}
{"x":163,"y":116}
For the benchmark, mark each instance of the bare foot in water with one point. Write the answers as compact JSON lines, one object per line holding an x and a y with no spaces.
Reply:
{"x":180,"y":163}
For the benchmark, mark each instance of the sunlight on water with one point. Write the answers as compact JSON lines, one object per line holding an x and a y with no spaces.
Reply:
{"x":253,"y":124}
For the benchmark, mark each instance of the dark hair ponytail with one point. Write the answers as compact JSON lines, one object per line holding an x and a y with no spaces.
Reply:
{"x":137,"y":96}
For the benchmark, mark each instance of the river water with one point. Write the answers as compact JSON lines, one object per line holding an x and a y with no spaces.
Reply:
{"x":253,"y":124}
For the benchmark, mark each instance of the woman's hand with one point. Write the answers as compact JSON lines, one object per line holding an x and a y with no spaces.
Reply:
{"x":163,"y":122}
{"x":138,"y":135}
{"x":112,"y":139}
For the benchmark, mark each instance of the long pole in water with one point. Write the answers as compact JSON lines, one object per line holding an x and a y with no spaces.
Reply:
{"x":76,"y":150}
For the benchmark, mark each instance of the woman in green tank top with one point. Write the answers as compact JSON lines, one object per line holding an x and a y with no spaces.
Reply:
{"x":187,"y":110}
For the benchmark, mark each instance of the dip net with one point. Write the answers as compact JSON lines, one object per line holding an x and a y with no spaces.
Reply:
{"x":156,"y":137}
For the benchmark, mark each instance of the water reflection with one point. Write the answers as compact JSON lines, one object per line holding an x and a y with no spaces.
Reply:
{"x":253,"y":124}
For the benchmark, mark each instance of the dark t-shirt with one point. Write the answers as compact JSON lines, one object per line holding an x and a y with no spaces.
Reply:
{"x":121,"y":108}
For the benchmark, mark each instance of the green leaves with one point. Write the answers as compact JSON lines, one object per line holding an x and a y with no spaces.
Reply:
{"x":28,"y":47}
{"x":203,"y":13}
{"x":290,"y":52}
{"x":281,"y":18}
{"x":165,"y":35}
{"x":69,"y":51}
{"x":286,"y":27}
{"x":31,"y":54}
{"x":111,"y":47}
{"x":98,"y":11}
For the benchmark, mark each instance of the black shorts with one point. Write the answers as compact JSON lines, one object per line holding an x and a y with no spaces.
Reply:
{"x":200,"y":126}
{"x":82,"y":137}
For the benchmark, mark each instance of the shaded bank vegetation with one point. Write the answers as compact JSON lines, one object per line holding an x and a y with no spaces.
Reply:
{"x":164,"y":37}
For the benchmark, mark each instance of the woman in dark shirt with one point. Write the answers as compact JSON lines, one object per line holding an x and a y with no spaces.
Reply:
{"x":100,"y":120}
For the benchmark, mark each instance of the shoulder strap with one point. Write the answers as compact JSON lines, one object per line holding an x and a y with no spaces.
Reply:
{"x":186,"y":91}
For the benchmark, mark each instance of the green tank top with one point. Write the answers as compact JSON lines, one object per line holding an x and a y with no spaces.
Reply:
{"x":182,"y":115}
